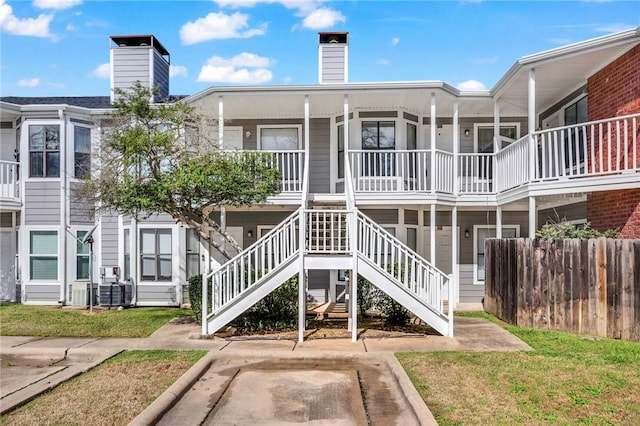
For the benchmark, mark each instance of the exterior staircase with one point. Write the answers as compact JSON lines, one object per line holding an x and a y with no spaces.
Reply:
{"x":334,"y":238}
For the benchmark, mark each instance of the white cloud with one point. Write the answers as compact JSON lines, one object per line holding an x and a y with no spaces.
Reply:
{"x":71,"y":27}
{"x":395,"y":41}
{"x":29,"y":82}
{"x":287,"y":79}
{"x":322,"y":18}
{"x":219,"y":26}
{"x":56,"y":85}
{"x":178,"y":70}
{"x":56,"y":4}
{"x":101,"y":71}
{"x":36,"y":27}
{"x":471,"y":85}
{"x":245,"y":68}
{"x":382,"y":61}
{"x":612,"y":28}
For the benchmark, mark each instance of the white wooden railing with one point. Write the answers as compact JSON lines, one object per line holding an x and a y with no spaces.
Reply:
{"x":407,"y":269}
{"x":597,"y":148}
{"x":9,"y":180}
{"x":327,"y":231}
{"x":248,"y":269}
{"x":291,"y":167}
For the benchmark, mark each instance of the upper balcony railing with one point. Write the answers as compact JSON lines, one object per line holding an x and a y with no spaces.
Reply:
{"x":598,"y":148}
{"x":9,"y":189}
{"x":291,"y":165}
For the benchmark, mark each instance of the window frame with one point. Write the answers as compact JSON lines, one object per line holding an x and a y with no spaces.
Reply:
{"x":76,"y":153}
{"x":478,"y":126}
{"x":157,"y":255}
{"x":44,"y":151}
{"x":191,"y":253}
{"x":378,"y":122}
{"x":298,"y":128}
{"x":476,"y":228}
{"x":80,"y":233}
{"x":340,"y":160}
{"x":55,"y":255}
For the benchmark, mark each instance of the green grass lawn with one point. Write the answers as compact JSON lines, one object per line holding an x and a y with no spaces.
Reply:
{"x":568,"y":379}
{"x":29,"y":320}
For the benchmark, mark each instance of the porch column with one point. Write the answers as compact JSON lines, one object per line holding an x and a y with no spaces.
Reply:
{"x":531,"y":113}
{"x":532,"y":217}
{"x":302,"y":285}
{"x":347,"y":143}
{"x":432,"y":234}
{"x":220,"y":122}
{"x":307,"y":139}
{"x":432,"y":124}
{"x":499,"y":222}
{"x":456,"y":147}
{"x":453,"y":284}
{"x":496,"y":126}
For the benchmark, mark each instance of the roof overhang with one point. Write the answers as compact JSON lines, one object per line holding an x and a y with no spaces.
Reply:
{"x":326,"y":100}
{"x":558,"y":72}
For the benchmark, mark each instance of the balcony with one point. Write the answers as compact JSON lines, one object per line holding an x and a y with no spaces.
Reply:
{"x":9,"y":186}
{"x":600,"y":151}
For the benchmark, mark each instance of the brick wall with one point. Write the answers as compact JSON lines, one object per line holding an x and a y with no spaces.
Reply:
{"x":615,"y":91}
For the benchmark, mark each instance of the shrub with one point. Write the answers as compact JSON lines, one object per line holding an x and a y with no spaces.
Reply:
{"x":370,"y":296}
{"x":276,"y":311}
{"x":558,"y":231}
{"x":195,"y":296}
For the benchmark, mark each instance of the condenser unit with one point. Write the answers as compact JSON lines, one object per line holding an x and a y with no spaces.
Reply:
{"x":80,"y":294}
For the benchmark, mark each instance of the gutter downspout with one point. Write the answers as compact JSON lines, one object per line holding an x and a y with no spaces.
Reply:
{"x":63,"y":206}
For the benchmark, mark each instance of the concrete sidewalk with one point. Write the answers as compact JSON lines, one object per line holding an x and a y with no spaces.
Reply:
{"x":32,"y":365}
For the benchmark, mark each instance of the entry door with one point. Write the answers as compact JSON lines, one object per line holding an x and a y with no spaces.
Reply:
{"x":232,"y":137}
{"x":236,"y":233}
{"x":7,"y":265}
{"x":443,"y":251}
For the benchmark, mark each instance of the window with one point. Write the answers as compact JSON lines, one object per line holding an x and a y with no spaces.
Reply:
{"x":412,"y":238}
{"x":43,"y":255}
{"x":155,"y":257}
{"x":82,"y":152}
{"x":412,"y":139}
{"x":379,"y":136}
{"x":44,"y":151}
{"x":279,"y":138}
{"x":82,"y":257}
{"x":484,"y":143}
{"x":193,"y":253}
{"x":127,"y":253}
{"x":481,"y":233}
{"x":341,"y":151}
{"x":575,"y":113}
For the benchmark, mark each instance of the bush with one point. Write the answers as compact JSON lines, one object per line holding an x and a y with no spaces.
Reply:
{"x":559,"y":231}
{"x":370,"y":296}
{"x":195,"y":296}
{"x":276,"y":311}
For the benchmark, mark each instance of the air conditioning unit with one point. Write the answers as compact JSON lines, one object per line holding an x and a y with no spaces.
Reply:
{"x":80,"y":294}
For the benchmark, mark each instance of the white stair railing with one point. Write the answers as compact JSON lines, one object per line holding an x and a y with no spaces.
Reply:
{"x":250,"y":268}
{"x":327,"y":231}
{"x":9,"y":180}
{"x":407,"y":269}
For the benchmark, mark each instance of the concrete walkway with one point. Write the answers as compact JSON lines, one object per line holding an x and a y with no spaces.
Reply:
{"x":32,"y":365}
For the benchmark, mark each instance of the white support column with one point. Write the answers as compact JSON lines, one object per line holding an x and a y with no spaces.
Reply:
{"x":496,"y":126}
{"x":204,"y":249}
{"x":499,"y":222}
{"x":456,"y":147}
{"x":302,"y":284}
{"x":532,"y":217}
{"x":432,"y":235}
{"x":353,"y":296}
{"x":220,"y":122}
{"x":433,"y":129}
{"x":531,"y":113}
{"x":454,"y":282}
{"x":347,"y":142}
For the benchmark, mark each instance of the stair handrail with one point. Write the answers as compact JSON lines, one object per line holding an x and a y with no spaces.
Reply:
{"x":237,"y":265}
{"x":431,"y":298}
{"x":349,"y":191}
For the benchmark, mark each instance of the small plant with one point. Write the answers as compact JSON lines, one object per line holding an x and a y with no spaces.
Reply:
{"x":370,"y":296}
{"x":558,"y":231}
{"x":195,"y":296}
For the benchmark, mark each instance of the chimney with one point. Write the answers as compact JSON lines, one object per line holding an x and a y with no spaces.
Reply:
{"x":139,"y":58}
{"x":333,"y":58}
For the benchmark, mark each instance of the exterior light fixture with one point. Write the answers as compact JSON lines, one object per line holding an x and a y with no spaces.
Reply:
{"x":249,"y":232}
{"x":467,"y":234}
{"x":466,"y":132}
{"x":247,"y":134}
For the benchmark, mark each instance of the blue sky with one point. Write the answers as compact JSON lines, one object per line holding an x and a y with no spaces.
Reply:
{"x":61,"y":47}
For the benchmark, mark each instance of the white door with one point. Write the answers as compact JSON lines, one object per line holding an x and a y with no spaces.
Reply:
{"x":7,"y":265}
{"x":236,"y":233}
{"x":232,"y":137}
{"x":443,"y":250}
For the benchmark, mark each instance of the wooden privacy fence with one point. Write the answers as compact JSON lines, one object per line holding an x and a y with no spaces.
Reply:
{"x":582,"y":286}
